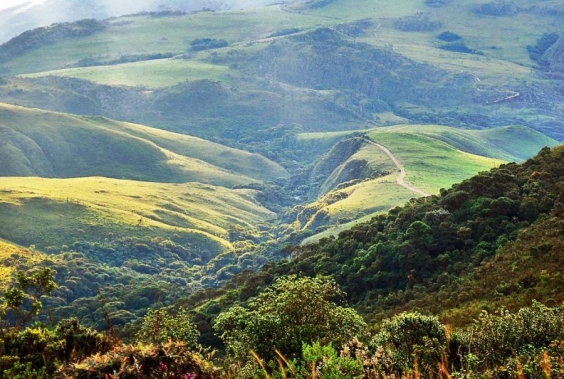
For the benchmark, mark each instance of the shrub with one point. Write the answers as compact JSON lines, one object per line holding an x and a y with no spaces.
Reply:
{"x":207,"y":44}
{"x":495,"y":8}
{"x":459,"y":47}
{"x":160,"y":326}
{"x":411,"y":338}
{"x":291,"y":312}
{"x":417,"y":24}
{"x":544,"y":43}
{"x":449,"y":37}
{"x":500,"y":338}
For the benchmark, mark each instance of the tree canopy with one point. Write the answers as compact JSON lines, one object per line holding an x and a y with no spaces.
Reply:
{"x":294,"y":310}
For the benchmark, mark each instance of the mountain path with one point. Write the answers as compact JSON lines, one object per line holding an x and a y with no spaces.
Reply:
{"x":401,"y":177}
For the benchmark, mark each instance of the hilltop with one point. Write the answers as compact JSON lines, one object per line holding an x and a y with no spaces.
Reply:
{"x":282,"y":65}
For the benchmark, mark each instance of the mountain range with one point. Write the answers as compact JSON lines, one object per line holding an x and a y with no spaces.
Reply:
{"x":195,"y":151}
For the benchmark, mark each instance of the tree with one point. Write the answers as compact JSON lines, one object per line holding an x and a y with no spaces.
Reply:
{"x":160,"y":326}
{"x":292,"y":311}
{"x":21,"y":301}
{"x":413,"y":337}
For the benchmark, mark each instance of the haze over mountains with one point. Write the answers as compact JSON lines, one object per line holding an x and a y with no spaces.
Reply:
{"x":160,"y":148}
{"x":28,"y":15}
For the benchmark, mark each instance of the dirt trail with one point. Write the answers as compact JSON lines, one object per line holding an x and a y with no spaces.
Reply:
{"x":401,"y":177}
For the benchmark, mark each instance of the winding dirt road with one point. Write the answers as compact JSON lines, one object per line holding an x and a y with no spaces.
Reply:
{"x":401,"y":177}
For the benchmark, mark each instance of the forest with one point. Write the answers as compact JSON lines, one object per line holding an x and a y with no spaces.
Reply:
{"x":305,"y":189}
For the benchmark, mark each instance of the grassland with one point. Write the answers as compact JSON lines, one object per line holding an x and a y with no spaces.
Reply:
{"x":120,"y":179}
{"x":150,"y":35}
{"x":150,"y":74}
{"x":434,"y":157}
{"x":55,"y":212}
{"x":10,"y":256}
{"x":41,"y":143}
{"x":501,"y":39}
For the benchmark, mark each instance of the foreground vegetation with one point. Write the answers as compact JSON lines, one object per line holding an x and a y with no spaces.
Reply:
{"x":298,"y":328}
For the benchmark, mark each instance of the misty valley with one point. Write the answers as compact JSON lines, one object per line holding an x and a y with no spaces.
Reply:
{"x":297,"y":189}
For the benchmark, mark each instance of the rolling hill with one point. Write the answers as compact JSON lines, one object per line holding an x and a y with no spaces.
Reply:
{"x":149,"y":156}
{"x":433,"y":157}
{"x":283,"y":65}
{"x":70,"y":178}
{"x":47,"y":144}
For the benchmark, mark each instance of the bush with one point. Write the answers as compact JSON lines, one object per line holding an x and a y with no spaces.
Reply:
{"x":291,"y":312}
{"x":160,"y":326}
{"x":459,"y":47}
{"x":172,"y":360}
{"x":449,"y":37}
{"x":411,"y":338}
{"x":544,"y":43}
{"x":495,"y":8}
{"x":500,"y":338}
{"x":200,"y":44}
{"x":417,"y":24}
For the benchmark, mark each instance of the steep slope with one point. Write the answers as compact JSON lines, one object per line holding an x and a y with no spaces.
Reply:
{"x":40,"y":143}
{"x":357,"y":179}
{"x":488,"y":242}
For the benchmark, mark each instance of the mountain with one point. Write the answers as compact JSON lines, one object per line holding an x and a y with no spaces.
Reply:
{"x":182,"y":156}
{"x":33,"y":14}
{"x":70,"y":178}
{"x":488,"y":242}
{"x":357,"y":178}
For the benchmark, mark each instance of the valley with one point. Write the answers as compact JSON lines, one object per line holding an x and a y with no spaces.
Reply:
{"x":193,"y":157}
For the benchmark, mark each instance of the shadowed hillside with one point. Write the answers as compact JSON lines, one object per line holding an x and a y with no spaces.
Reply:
{"x":39,"y":143}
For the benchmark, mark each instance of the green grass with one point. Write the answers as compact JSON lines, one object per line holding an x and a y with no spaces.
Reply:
{"x":502,"y":39}
{"x":10,"y":256}
{"x":150,"y":35}
{"x":53,"y":144}
{"x":364,"y":201}
{"x":434,"y":157}
{"x":320,"y":142}
{"x":151,"y":74}
{"x":54,"y":212}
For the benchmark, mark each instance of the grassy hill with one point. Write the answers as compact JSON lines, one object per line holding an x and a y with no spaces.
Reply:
{"x":283,"y":65}
{"x":11,"y":255}
{"x":489,"y":33}
{"x":434,"y":157}
{"x":491,"y":241}
{"x":56,"y":212}
{"x":41,"y":143}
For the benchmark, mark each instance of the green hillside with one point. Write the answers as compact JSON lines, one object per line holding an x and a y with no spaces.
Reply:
{"x":387,"y":148}
{"x":360,"y":180}
{"x":56,"y":212}
{"x":490,"y":241}
{"x":411,"y":25}
{"x":40,"y":143}
{"x":283,"y":64}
